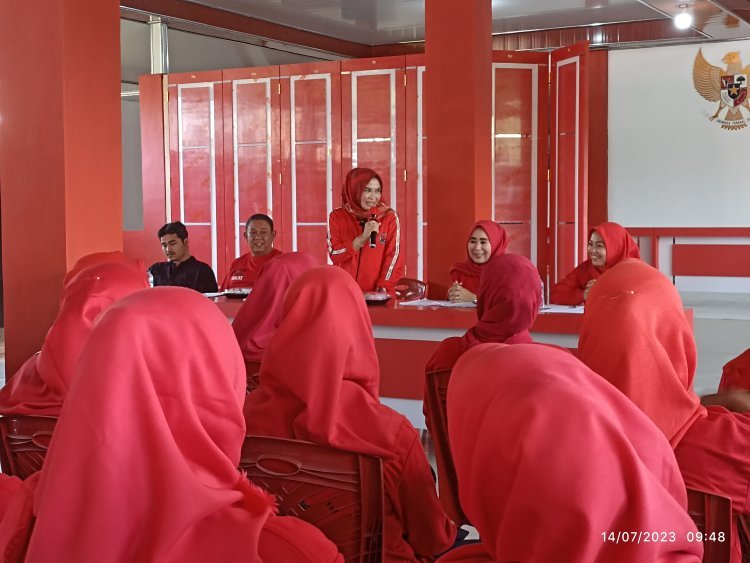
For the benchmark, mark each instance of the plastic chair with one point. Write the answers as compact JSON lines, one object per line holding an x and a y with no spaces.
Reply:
{"x":436,"y":394}
{"x":410,"y":289}
{"x":712,"y":514}
{"x":25,"y":441}
{"x":252,"y":369}
{"x":743,"y":530}
{"x":339,"y":492}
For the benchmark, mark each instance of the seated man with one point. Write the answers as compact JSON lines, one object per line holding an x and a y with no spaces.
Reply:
{"x":181,"y":268}
{"x":260,"y":235}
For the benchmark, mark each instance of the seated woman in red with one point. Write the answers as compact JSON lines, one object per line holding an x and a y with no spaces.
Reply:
{"x":636,"y":336}
{"x":41,"y":383}
{"x":508,"y":301}
{"x":487,"y":239}
{"x":554,"y":463}
{"x":609,"y":243}
{"x":259,"y":317}
{"x":319,"y":382}
{"x":113,"y":257}
{"x":364,"y":236}
{"x":143,"y":465}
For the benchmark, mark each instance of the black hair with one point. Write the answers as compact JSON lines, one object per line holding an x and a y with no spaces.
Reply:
{"x":259,"y":217}
{"x":174,"y":228}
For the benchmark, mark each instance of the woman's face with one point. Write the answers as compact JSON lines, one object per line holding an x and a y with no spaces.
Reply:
{"x":479,"y":246}
{"x":596,"y":250}
{"x":371,"y":194}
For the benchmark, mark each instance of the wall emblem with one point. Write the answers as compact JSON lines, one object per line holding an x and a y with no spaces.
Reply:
{"x":727,"y":86}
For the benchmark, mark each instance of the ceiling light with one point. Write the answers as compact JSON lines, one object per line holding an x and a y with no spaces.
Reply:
{"x":683,"y":20}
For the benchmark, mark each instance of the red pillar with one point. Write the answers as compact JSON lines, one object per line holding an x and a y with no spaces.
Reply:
{"x":458,"y":114}
{"x":60,"y":154}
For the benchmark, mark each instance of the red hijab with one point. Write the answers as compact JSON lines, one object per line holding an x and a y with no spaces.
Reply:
{"x":40,"y":385}
{"x":351,"y":194}
{"x":145,"y":453}
{"x":636,"y":336}
{"x":549,"y":457}
{"x":114,"y":257}
{"x":508,"y":301}
{"x":320,"y":375}
{"x":468,"y":270}
{"x":259,"y":317}
{"x":619,"y":244}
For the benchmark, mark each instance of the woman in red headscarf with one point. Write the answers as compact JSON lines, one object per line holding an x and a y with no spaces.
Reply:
{"x":554,"y":463}
{"x":113,"y":257}
{"x":509,"y":297}
{"x":364,"y":236}
{"x":609,"y":243}
{"x":40,"y":385}
{"x":259,"y":317}
{"x":636,"y":336}
{"x":486,"y":240}
{"x":143,"y":465}
{"x":319,"y":382}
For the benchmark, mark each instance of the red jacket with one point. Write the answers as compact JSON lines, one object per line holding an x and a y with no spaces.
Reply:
{"x":373,"y":268}
{"x":244,"y":270}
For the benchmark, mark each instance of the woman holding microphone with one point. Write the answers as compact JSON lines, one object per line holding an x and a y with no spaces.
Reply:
{"x":364,"y":236}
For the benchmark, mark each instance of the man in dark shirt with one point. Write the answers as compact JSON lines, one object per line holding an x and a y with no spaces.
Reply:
{"x":181,"y":269}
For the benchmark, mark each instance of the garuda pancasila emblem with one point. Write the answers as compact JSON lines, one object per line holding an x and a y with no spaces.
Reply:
{"x":727,"y":86}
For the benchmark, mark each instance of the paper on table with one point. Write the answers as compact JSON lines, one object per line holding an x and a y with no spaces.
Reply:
{"x":214,"y":294}
{"x":574,"y":309}
{"x":435,"y":303}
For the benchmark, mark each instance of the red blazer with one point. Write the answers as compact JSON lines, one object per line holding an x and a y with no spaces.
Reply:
{"x":373,"y":268}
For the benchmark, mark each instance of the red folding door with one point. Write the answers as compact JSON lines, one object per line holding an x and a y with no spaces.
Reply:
{"x":568,"y":204}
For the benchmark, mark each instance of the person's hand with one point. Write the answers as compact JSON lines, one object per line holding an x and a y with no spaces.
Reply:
{"x":588,"y":288}
{"x":370,"y":227}
{"x":363,"y":239}
{"x":458,"y":293}
{"x":735,"y":400}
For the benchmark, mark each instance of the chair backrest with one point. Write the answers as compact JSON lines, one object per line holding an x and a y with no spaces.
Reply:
{"x":743,"y":530}
{"x":25,"y":441}
{"x":436,"y":394}
{"x":252,"y":370}
{"x":410,"y":289}
{"x":712,"y":515}
{"x":339,"y":492}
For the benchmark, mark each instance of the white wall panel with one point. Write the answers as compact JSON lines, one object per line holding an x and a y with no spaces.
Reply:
{"x":669,"y":165}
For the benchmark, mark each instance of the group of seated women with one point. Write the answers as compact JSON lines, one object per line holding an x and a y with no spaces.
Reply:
{"x":557,"y":456}
{"x":143,"y":463}
{"x":582,"y":457}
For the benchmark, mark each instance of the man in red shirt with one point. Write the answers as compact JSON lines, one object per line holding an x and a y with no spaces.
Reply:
{"x":260,"y":236}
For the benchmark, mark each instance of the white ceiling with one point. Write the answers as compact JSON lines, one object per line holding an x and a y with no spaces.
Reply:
{"x":376,"y":22}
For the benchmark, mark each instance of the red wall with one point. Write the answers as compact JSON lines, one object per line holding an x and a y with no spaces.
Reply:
{"x":60,"y":154}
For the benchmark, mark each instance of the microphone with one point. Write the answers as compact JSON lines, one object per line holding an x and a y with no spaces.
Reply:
{"x":373,"y":235}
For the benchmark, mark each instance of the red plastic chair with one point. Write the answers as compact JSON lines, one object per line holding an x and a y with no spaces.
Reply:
{"x":252,"y":370}
{"x":743,"y":529}
{"x":339,"y":492}
{"x":712,"y":515}
{"x":410,"y":289}
{"x":436,"y":394}
{"x":25,"y":440}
